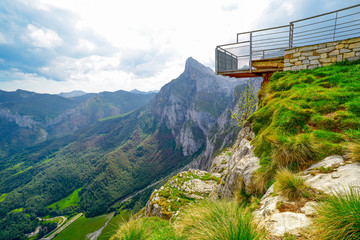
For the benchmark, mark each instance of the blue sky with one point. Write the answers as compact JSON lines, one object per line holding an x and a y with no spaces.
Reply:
{"x":91,"y":45}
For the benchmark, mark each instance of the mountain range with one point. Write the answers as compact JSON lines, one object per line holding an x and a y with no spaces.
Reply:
{"x":110,"y":145}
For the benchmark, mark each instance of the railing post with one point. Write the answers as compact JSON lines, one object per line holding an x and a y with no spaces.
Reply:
{"x":336,"y":17}
{"x":250,"y":61}
{"x":291,"y":34}
{"x":216,"y":60}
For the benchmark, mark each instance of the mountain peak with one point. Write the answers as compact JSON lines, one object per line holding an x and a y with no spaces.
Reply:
{"x":192,"y":64}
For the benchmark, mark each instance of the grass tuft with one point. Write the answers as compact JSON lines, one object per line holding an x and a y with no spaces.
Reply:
{"x":353,"y":151}
{"x":290,"y":185}
{"x":215,"y":220}
{"x":149,"y":228}
{"x":339,"y":216}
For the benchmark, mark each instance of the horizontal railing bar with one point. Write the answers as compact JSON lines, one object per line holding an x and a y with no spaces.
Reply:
{"x":352,"y":34}
{"x":265,"y":45}
{"x":311,"y":24}
{"x":261,"y":30}
{"x":316,"y":36}
{"x":347,"y":31}
{"x":324,"y":14}
{"x":270,"y":39}
{"x":229,"y":44}
{"x":329,"y":30}
{"x":315,"y":29}
{"x":266,"y":34}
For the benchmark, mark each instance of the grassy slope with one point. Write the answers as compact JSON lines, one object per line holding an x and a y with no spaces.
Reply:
{"x":81,"y":227}
{"x":72,"y":200}
{"x":305,"y":116}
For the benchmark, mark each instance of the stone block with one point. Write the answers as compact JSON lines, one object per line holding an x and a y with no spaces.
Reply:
{"x":353,"y":58}
{"x":290,"y":51}
{"x":287,"y":68}
{"x":354,"y":45}
{"x":327,"y":64}
{"x":299,"y":67}
{"x":349,"y":54}
{"x":339,"y":46}
{"x":294,"y":60}
{"x":306,"y":62}
{"x":325,"y":50}
{"x":286,"y":60}
{"x":307,"y":54}
{"x":334,"y":52}
{"x":325,"y":60}
{"x":312,"y":66}
{"x":353,"y":40}
{"x":324,"y":55}
{"x":357,"y":54}
{"x":297,"y":54}
{"x":314,"y":57}
{"x":339,"y":58}
{"x":287,"y":56}
{"x":344,"y":50}
{"x":322,"y":45}
{"x":298,"y":63}
{"x":330,"y":44}
{"x":356,"y":49}
{"x":288,"y":65}
{"x":314,"y":62}
{"x":309,"y":48}
{"x":302,"y":58}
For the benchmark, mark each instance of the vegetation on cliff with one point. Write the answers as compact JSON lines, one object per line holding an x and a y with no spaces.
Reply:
{"x":305,"y":116}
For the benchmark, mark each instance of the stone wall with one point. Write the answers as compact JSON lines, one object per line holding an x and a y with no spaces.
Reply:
{"x":318,"y":55}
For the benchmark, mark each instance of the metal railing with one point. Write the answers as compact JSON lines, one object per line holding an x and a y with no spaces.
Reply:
{"x":272,"y":42}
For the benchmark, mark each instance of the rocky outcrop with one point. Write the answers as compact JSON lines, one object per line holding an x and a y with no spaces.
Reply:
{"x":281,"y":216}
{"x":241,"y":165}
{"x":182,"y":189}
{"x":20,"y":120}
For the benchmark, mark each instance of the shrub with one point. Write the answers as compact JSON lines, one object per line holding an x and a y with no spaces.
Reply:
{"x":339,"y":216}
{"x":151,"y":228}
{"x":290,"y":185}
{"x":353,"y":151}
{"x":214,"y":219}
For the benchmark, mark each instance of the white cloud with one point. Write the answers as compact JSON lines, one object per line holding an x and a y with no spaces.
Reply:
{"x":43,"y":38}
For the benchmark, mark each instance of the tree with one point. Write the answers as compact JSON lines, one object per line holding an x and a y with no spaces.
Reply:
{"x":245,"y":105}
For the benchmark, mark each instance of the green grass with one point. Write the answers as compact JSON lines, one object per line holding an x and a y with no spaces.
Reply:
{"x":17,"y":210}
{"x":28,"y":168}
{"x":339,"y":216}
{"x":113,"y":225}
{"x":2,"y":197}
{"x":306,"y":116}
{"x":151,"y":228}
{"x":218,"y":220}
{"x":72,"y":200}
{"x":81,"y":227}
{"x":290,"y":185}
{"x":47,"y":160}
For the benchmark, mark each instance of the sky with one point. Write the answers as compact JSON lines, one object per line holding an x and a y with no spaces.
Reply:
{"x":53,"y":46}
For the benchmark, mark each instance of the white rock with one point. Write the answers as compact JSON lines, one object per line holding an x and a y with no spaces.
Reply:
{"x":328,"y":162}
{"x":309,"y":209}
{"x":347,"y":175}
{"x":287,"y":222}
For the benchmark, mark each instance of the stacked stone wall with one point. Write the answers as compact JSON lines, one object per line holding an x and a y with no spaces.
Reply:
{"x":318,"y":55}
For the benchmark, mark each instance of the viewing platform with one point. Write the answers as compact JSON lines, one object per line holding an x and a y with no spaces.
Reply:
{"x":302,"y":44}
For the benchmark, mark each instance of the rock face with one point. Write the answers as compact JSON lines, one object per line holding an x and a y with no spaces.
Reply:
{"x":241,"y":165}
{"x":191,"y":104}
{"x":330,"y":175}
{"x":180,"y":190}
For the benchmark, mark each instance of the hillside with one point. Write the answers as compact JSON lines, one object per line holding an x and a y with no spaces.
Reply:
{"x":28,"y":118}
{"x":139,"y":147}
{"x":301,"y":147}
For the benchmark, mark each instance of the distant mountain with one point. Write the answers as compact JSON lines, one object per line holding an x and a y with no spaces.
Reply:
{"x":140,"y":92}
{"x":27,"y":118}
{"x":75,"y":93}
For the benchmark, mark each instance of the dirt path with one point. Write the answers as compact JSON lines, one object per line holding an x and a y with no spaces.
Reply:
{"x":96,"y":234}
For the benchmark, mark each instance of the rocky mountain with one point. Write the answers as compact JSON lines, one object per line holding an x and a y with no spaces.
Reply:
{"x":76,"y":93}
{"x":139,"y":147}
